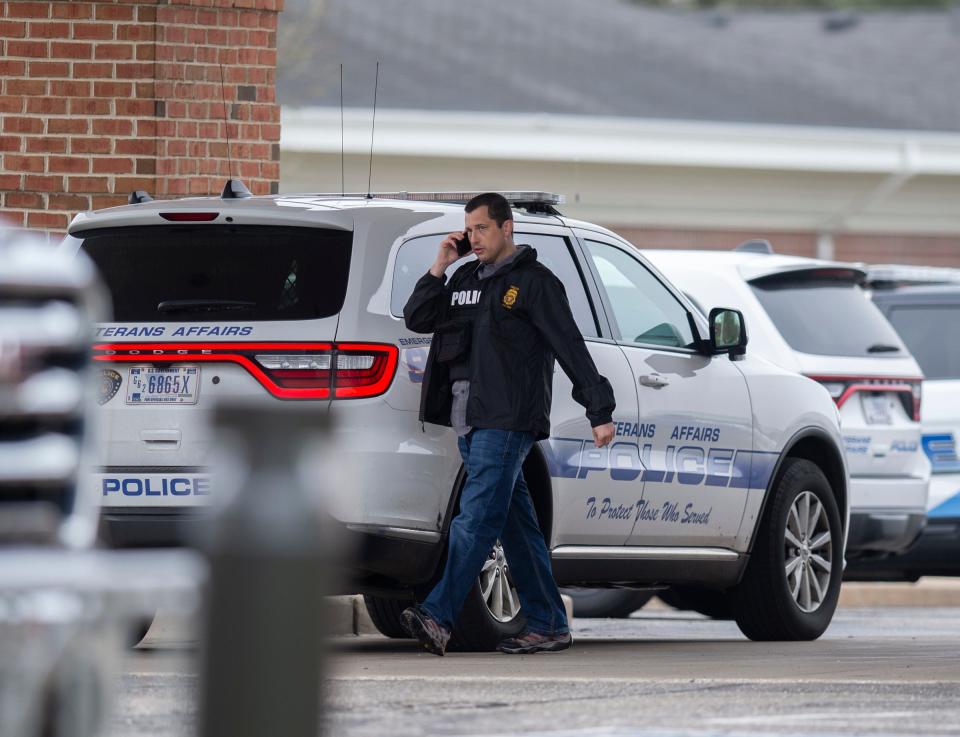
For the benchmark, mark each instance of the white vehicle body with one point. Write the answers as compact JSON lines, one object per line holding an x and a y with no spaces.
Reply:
{"x":793,"y":322}
{"x":928,"y":320}
{"x":677,"y":497}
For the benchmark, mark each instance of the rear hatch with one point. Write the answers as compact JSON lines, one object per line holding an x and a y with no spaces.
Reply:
{"x":842,"y":340}
{"x":203,"y":312}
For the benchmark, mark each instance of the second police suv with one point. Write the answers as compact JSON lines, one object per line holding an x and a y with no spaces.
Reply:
{"x":727,"y":473}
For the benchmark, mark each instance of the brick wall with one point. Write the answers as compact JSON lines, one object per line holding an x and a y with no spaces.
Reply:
{"x":102,"y":98}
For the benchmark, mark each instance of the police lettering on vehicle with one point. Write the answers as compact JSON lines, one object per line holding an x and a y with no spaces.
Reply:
{"x":684,"y":464}
{"x":146,"y":486}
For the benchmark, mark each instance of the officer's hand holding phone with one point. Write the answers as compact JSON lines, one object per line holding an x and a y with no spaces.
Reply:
{"x":455,"y":246}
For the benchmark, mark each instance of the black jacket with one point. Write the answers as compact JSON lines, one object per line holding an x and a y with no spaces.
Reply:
{"x":522,"y":323}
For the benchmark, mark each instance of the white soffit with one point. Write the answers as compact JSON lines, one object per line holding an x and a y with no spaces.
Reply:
{"x":588,"y":139}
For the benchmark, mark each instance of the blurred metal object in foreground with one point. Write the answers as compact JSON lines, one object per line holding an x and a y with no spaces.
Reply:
{"x":64,"y":620}
{"x":65,"y":609}
{"x":48,"y":303}
{"x":268,"y":555}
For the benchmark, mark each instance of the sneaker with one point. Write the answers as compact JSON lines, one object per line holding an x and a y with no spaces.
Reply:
{"x":431,"y":635}
{"x":533,"y":642}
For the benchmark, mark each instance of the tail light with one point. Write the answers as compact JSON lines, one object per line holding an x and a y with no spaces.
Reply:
{"x":841,"y":388}
{"x":286,"y":370}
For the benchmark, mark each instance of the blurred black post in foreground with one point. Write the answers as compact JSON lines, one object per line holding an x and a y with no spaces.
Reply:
{"x":263,"y":629}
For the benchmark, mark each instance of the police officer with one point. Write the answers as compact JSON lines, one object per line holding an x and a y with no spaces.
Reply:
{"x":498,"y":325}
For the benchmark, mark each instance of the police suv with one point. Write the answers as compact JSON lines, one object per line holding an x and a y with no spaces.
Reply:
{"x":726,"y":472}
{"x":813,"y":317}
{"x":923,"y":304}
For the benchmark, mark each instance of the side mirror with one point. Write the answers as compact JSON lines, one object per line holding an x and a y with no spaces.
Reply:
{"x":728,"y":332}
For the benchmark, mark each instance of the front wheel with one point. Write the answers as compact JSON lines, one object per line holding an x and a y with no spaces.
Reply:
{"x":792,"y":582}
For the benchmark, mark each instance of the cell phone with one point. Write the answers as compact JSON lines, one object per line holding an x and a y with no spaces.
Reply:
{"x":463,"y":246}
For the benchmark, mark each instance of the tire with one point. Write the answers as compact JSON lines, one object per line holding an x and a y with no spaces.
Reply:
{"x":709,"y":602}
{"x":607,"y":603}
{"x":480,"y":628}
{"x":137,"y":630}
{"x":385,"y":614}
{"x":770,"y":604}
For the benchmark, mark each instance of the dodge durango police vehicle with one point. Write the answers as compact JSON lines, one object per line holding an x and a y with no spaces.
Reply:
{"x":726,"y":472}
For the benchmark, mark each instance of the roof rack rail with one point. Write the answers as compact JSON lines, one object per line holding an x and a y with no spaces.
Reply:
{"x":234,"y":189}
{"x":531,"y":201}
{"x":756,"y":245}
{"x":138,"y":196}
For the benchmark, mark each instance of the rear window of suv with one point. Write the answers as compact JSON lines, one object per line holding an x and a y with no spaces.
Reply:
{"x":225,"y":273}
{"x":932,"y":333}
{"x":826,"y":313}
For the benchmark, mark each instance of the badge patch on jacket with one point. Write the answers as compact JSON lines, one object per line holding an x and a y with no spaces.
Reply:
{"x":510,"y":298}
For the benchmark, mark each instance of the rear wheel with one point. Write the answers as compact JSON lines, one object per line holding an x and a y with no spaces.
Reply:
{"x":792,"y":582}
{"x":385,"y":614}
{"x":137,"y":630}
{"x":607,"y":603}
{"x":491,"y":612}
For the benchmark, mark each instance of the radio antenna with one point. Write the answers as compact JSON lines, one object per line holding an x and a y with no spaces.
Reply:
{"x":226,"y":124}
{"x":342,"y":185}
{"x":373,"y":125}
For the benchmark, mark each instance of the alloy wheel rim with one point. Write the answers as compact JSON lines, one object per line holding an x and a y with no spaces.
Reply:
{"x":496,"y":586}
{"x":808,"y":548}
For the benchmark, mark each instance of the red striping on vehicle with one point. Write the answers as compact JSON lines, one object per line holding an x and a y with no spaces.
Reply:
{"x":281,"y":383}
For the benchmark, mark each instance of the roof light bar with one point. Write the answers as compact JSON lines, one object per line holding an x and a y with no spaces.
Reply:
{"x":518,"y":197}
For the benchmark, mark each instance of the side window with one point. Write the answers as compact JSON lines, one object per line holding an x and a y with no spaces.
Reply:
{"x":413,"y":260}
{"x":644,"y":309}
{"x":416,"y":255}
{"x":554,"y":253}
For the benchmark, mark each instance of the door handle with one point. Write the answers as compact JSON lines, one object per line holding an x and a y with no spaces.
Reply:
{"x":656,"y":381}
{"x":161,"y":439}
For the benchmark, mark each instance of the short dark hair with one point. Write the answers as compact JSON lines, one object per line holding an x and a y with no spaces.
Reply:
{"x":496,"y":204}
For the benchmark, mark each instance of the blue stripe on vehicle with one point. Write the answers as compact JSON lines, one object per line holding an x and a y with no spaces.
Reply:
{"x":948,"y":508}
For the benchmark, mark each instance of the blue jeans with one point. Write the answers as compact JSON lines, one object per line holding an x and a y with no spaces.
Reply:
{"x":495,"y":504}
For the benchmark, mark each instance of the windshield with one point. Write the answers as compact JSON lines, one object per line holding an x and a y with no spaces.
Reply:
{"x":827,"y":317}
{"x":223,"y":273}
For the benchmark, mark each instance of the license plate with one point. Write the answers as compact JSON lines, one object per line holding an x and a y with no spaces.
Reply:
{"x":876,"y":409}
{"x":176,"y":385}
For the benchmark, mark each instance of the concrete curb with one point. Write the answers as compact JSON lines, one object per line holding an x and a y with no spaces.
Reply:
{"x":347,"y":615}
{"x":927,"y":592}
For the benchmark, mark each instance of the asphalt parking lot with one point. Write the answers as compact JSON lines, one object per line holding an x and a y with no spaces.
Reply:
{"x":890,"y":671}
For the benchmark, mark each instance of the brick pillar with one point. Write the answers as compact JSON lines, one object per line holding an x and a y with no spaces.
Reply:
{"x":102,"y":98}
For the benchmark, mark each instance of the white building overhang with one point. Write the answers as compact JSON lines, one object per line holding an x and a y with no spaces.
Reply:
{"x":650,"y":172}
